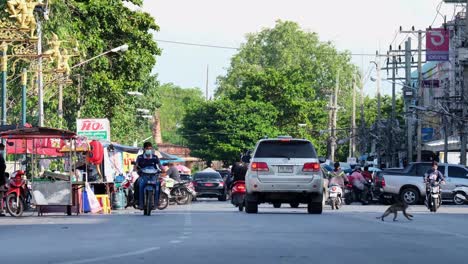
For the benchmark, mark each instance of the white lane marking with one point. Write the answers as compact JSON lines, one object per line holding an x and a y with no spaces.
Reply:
{"x":183,"y":237}
{"x":187,"y":233}
{"x":175,"y":241}
{"x":98,"y":259}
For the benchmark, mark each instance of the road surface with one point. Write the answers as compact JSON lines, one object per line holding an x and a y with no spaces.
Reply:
{"x":215,"y":232}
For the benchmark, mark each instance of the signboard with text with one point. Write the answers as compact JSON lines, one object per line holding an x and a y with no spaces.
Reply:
{"x":98,"y":129}
{"x":437,"y":44}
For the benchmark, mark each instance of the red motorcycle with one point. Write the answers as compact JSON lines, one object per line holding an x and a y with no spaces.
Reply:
{"x":237,"y":194}
{"x":18,"y":197}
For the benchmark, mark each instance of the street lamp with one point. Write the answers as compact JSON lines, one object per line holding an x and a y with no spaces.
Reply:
{"x":122,"y":48}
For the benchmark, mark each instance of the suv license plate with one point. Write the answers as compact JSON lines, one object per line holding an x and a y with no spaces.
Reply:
{"x":151,"y":182}
{"x":285,"y":169}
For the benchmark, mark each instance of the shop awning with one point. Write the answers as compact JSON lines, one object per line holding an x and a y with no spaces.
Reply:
{"x":438,"y":145}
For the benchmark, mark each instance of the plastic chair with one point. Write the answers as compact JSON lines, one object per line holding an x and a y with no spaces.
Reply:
{"x":105,"y":203}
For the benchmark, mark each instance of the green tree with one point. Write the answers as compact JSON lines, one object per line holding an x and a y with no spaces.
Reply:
{"x":294,"y":71}
{"x":175,"y":102}
{"x":222,"y":129}
{"x":98,"y":26}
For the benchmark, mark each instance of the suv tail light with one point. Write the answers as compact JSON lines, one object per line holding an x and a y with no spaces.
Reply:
{"x":312,"y":166}
{"x":259,"y":166}
{"x":383,"y":182}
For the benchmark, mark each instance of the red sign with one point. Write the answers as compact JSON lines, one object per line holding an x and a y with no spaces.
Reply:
{"x":437,"y":44}
{"x":91,"y":125}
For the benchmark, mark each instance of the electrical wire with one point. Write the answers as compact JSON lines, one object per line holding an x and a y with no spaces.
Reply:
{"x":234,"y":48}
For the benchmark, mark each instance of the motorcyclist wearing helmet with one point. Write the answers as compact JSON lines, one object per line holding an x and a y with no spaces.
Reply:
{"x":337,"y":176}
{"x":147,"y":159}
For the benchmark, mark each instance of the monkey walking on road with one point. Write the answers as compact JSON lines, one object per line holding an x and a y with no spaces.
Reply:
{"x":394,"y":208}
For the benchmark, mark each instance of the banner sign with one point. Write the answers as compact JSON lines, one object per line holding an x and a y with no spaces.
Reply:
{"x":437,"y":44}
{"x":97,"y":129}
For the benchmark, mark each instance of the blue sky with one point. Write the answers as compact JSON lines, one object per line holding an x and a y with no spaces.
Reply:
{"x":361,"y":26}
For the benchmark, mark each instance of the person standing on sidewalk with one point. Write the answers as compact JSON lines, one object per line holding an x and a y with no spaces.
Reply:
{"x":2,"y":178}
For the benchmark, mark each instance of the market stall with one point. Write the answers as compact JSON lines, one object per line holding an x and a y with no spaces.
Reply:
{"x":40,"y":161}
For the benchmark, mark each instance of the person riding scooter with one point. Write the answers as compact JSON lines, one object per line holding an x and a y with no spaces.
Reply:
{"x":147,"y":159}
{"x":337,"y":176}
{"x":359,"y":184}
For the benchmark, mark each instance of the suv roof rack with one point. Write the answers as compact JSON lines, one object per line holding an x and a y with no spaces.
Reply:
{"x":288,"y":137}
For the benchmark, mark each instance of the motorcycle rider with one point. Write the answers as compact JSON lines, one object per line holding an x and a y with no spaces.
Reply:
{"x":147,"y":159}
{"x":359,"y":183}
{"x":433,"y":175}
{"x":367,"y":174}
{"x":238,"y":171}
{"x":337,"y":176}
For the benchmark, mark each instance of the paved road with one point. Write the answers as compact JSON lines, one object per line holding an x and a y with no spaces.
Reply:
{"x":214,"y":232}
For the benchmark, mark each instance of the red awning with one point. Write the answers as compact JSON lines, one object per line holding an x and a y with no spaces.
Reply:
{"x":36,"y":140}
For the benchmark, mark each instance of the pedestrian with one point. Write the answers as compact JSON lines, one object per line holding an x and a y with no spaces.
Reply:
{"x":173,"y":172}
{"x":3,"y":188}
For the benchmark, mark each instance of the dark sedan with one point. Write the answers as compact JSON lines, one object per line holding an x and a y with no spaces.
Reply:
{"x":210,"y":184}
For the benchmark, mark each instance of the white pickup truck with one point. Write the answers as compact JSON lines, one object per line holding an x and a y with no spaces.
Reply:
{"x":407,"y":183}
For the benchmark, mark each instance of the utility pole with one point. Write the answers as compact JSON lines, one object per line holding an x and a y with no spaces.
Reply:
{"x":379,"y":110}
{"x":420,"y":97}
{"x":334,"y":110}
{"x":352,"y":149}
{"x":4,"y":82}
{"x":393,"y":119}
{"x":24,"y":82}
{"x":409,"y":119}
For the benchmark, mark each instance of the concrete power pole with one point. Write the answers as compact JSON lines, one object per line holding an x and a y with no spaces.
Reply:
{"x":393,"y":119}
{"x":334,"y":110}
{"x":352,"y":149}
{"x":420,"y":97}
{"x":409,"y":119}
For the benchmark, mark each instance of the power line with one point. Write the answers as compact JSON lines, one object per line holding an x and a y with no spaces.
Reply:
{"x":234,"y":48}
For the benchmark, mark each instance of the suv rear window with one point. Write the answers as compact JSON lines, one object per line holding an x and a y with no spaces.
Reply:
{"x":285,"y":149}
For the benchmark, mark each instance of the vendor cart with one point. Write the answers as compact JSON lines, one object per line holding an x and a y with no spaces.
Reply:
{"x":48,"y":170}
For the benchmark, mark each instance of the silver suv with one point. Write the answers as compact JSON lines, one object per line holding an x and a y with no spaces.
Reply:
{"x":284,"y":170}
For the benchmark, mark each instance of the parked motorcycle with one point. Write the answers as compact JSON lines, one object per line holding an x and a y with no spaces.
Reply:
{"x":433,"y":200}
{"x":181,"y":193}
{"x":238,"y":194}
{"x":460,"y":194}
{"x":165,"y":194}
{"x":127,"y":186}
{"x":150,"y":178}
{"x":18,"y":197}
{"x":335,"y":194}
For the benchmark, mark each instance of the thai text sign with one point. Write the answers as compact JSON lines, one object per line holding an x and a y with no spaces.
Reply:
{"x":98,"y":129}
{"x":437,"y":44}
